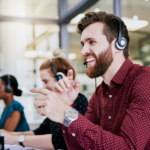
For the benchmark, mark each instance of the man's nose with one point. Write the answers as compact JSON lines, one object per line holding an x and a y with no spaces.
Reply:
{"x":85,"y":50}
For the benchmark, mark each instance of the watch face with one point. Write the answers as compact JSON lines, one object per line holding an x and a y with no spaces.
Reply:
{"x":21,"y":138}
{"x":72,"y":114}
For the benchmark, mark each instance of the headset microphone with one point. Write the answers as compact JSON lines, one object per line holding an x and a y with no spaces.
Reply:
{"x":84,"y":63}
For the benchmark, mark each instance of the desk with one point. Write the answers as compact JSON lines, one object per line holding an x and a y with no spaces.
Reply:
{"x":18,"y":147}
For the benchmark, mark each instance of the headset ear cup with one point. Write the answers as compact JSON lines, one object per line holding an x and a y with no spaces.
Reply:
{"x":8,"y":89}
{"x":117,"y":45}
{"x":124,"y":42}
{"x":59,"y":76}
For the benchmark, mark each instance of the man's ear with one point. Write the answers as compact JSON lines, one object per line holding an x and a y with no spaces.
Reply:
{"x":114,"y":49}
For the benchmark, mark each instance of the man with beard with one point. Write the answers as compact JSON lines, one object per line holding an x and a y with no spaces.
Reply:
{"x":118,"y":115}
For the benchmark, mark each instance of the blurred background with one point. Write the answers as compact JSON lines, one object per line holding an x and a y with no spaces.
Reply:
{"x":31,"y":29}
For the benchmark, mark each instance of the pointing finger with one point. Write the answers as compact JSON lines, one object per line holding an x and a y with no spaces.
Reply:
{"x":40,"y":98}
{"x":77,"y":86}
{"x":41,"y":91}
{"x":57,"y":88}
{"x":70,"y":74}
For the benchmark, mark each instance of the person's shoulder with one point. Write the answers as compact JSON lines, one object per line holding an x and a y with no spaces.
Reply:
{"x":14,"y":102}
{"x":139,"y":78}
{"x":138,"y":70}
{"x":16,"y":105}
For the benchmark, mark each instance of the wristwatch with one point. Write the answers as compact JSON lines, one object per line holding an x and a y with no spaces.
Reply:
{"x":21,"y":139}
{"x":70,"y":116}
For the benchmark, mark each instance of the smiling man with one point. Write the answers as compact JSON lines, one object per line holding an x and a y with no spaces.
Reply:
{"x":118,"y":115}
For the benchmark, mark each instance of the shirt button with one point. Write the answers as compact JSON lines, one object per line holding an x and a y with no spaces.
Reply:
{"x":63,"y":131}
{"x":73,"y":134}
{"x":110,"y":96}
{"x":109,"y":117}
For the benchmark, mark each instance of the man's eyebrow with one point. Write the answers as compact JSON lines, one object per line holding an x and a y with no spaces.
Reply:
{"x":87,"y":39}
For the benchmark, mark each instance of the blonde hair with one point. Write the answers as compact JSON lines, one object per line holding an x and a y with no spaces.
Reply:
{"x":60,"y":53}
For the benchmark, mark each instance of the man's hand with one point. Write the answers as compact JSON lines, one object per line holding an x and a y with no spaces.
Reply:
{"x":50,"y":105}
{"x":67,"y":89}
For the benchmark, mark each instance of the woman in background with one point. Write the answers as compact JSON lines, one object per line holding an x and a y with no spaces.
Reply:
{"x":48,"y":135}
{"x":13,"y":118}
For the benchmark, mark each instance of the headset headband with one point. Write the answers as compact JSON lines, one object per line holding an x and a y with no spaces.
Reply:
{"x":119,"y":38}
{"x":121,"y":42}
{"x":53,"y":68}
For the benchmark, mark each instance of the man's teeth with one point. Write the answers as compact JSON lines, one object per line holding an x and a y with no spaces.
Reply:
{"x":90,"y":59}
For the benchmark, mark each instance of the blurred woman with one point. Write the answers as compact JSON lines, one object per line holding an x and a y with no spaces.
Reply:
{"x":48,"y":135}
{"x":13,"y":118}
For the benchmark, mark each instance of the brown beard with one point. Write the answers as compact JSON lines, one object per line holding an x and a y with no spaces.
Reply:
{"x":103,"y":62}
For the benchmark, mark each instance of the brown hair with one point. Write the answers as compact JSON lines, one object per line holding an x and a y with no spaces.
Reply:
{"x":111,"y":27}
{"x":60,"y":64}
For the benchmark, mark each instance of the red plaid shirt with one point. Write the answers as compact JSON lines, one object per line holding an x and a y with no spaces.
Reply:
{"x":125,"y":114}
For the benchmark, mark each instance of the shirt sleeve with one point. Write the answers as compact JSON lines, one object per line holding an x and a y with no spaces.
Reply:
{"x":50,"y":127}
{"x":43,"y":128}
{"x":58,"y":141}
{"x":81,"y":104}
{"x":135,"y":128}
{"x":14,"y":106}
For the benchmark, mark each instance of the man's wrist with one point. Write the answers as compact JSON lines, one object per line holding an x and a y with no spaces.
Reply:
{"x":70,"y":102}
{"x":63,"y":115}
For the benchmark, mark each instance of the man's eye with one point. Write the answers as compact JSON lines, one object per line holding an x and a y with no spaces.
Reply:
{"x":91,"y":42}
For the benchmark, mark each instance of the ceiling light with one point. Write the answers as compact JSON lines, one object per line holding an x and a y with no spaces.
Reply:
{"x":135,"y":17}
{"x":146,"y":0}
{"x":72,"y":55}
{"x":133,"y":25}
{"x":138,"y":62}
{"x":96,"y":10}
{"x":77,"y":19}
{"x":31,"y":54}
{"x":71,"y":28}
{"x":40,"y":54}
{"x":147,"y":58}
{"x":145,"y":48}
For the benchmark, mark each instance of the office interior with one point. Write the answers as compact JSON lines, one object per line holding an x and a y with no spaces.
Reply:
{"x":30,"y":30}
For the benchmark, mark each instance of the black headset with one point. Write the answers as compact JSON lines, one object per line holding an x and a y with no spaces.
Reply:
{"x":58,"y":75}
{"x":8,"y":88}
{"x":121,"y":42}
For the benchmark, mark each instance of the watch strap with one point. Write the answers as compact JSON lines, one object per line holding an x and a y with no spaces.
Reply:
{"x":21,"y":144}
{"x":66,"y":122}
